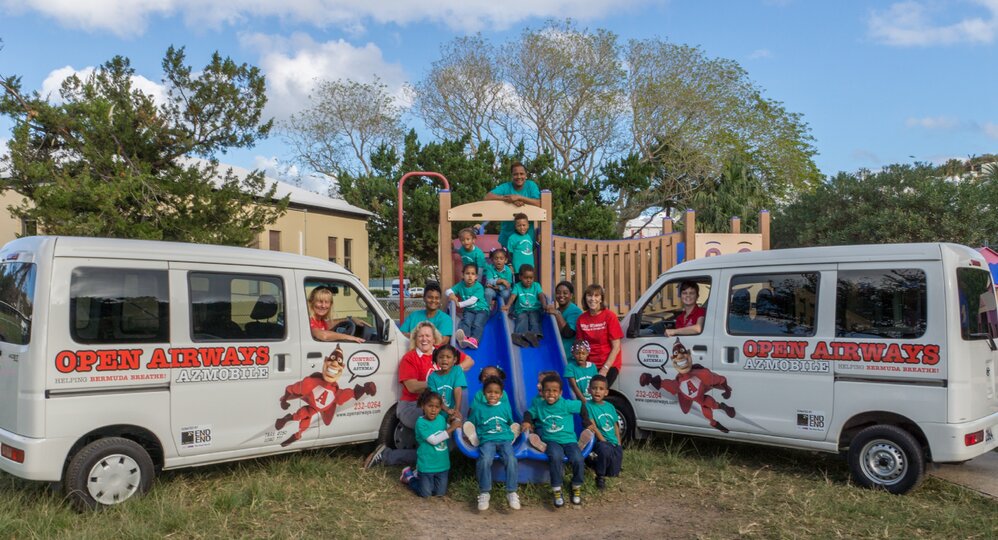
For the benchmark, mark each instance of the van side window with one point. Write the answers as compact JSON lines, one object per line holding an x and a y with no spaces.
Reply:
{"x":233,"y":307}
{"x":119,"y":305}
{"x":350,"y":312}
{"x":664,"y":308}
{"x":978,"y":315}
{"x":17,"y":298}
{"x":773,"y":304}
{"x":889,"y":304}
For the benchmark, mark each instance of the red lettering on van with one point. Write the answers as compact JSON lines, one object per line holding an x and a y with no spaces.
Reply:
{"x":158,"y":360}
{"x":872,"y":352}
{"x":893,"y":354}
{"x":821,"y":352}
{"x":211,"y":356}
{"x":65,"y":361}
{"x":231,"y":357}
{"x":262,"y":356}
{"x":247,"y":354}
{"x":848,"y":351}
{"x":86,"y":360}
{"x":765,"y":347}
{"x":930,"y":355}
{"x":913,"y":352}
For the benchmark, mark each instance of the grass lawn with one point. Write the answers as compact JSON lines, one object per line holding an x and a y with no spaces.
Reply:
{"x":722,"y":490}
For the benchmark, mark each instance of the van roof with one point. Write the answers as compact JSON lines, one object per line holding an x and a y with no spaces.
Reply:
{"x":832,"y":254}
{"x":116,"y":248}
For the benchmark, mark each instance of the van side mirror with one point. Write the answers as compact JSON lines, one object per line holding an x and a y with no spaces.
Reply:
{"x":386,"y":330}
{"x":634,"y":325}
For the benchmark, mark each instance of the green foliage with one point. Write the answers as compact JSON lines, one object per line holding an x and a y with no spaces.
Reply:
{"x":736,"y":192}
{"x":108,"y":161}
{"x":902,"y":203}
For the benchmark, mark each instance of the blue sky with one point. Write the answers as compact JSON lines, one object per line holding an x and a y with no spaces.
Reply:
{"x":878,"y":82}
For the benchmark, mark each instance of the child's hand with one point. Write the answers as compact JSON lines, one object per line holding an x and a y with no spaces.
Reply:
{"x":505,"y":308}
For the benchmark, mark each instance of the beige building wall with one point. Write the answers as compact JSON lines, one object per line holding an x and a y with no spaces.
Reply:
{"x":10,"y":226}
{"x":320,"y":233}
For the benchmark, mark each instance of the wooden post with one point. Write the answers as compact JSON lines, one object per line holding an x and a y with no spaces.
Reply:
{"x":666,"y":225}
{"x":445,"y":262}
{"x":547,"y":243}
{"x":736,"y":225}
{"x":690,"y":233}
{"x":764,"y":228}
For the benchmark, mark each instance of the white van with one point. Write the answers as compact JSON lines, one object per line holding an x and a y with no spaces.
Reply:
{"x":882,"y":352}
{"x":405,"y":288}
{"x":119,"y":358}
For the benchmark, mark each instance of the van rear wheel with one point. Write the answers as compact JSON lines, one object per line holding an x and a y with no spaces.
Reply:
{"x":393,"y":432}
{"x":887,"y":458}
{"x":108,"y":472}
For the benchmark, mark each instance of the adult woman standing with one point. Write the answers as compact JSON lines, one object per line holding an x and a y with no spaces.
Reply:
{"x":600,"y":327}
{"x":566,"y":313}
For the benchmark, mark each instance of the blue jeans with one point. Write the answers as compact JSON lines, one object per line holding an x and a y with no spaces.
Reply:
{"x":483,"y":469}
{"x":473,"y":323}
{"x":528,"y":321}
{"x":556,"y":453}
{"x":606,"y":458}
{"x":430,"y":484}
{"x":490,"y":294}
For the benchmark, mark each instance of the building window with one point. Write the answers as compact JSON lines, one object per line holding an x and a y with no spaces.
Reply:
{"x":275,"y":240}
{"x":347,"y":251}
{"x":332,"y":249}
{"x":29,"y":227}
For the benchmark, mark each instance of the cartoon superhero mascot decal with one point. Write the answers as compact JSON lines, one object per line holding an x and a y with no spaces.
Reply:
{"x":321,"y":394}
{"x":691,"y":385}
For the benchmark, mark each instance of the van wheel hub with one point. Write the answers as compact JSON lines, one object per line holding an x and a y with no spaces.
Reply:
{"x":114,"y":479}
{"x":883,"y":462}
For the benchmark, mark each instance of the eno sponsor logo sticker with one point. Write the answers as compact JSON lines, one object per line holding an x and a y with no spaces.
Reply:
{"x":195,"y":436}
{"x":808,"y":420}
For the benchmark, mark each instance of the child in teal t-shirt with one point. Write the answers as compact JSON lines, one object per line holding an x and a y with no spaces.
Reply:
{"x":527,"y":303}
{"x":495,"y":430}
{"x":447,"y":381}
{"x":498,"y":277}
{"x":520,"y":244}
{"x":433,"y":453}
{"x":469,"y":252}
{"x":555,"y":423}
{"x":469,"y":294}
{"x":608,"y":452}
{"x":579,"y":371}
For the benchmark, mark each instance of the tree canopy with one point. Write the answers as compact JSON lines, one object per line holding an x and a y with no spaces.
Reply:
{"x":106,"y":160}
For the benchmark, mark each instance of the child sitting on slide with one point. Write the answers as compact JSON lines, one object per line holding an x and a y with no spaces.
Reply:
{"x":527,"y":301}
{"x":498,"y":278}
{"x":470,"y":295}
{"x":469,"y":252}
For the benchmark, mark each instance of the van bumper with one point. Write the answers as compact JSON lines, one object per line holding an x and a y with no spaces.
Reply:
{"x":946,"y":441}
{"x":43,"y":458}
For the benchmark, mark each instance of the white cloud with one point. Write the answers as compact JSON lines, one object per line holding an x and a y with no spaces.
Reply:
{"x":990,"y":129}
{"x":291,"y":174}
{"x":933,"y":122}
{"x":292,"y":66}
{"x":131,"y":17}
{"x":53,"y":82}
{"x":916,"y":23}
{"x":760,"y":53}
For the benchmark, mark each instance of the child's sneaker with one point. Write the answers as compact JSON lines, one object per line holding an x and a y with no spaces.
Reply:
{"x":514,"y":501}
{"x":376,"y":457}
{"x":407,"y":475}
{"x":470,"y":433}
{"x":576,"y":494}
{"x":483,"y":501}
{"x":533,"y":338}
{"x":459,"y":336}
{"x":470,"y":343}
{"x":535,"y":441}
{"x":519,"y":340}
{"x":600,"y":483}
{"x":587,"y":435}
{"x":559,"y":501}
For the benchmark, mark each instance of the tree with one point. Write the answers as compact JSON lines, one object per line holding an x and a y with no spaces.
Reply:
{"x":346,"y":121}
{"x":901,"y":203}
{"x":736,"y":192}
{"x":108,"y":161}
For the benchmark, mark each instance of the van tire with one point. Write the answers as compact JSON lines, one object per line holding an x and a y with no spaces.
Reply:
{"x":625,"y":415}
{"x":106,"y":472}
{"x":386,"y":433}
{"x":888,"y":458}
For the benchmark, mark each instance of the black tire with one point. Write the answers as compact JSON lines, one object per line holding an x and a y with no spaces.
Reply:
{"x":386,"y":433}
{"x":107,"y":472}
{"x":888,"y":458}
{"x":625,"y":415}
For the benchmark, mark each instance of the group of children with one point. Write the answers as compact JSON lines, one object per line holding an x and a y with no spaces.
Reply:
{"x":549,"y":425}
{"x":522,"y":296}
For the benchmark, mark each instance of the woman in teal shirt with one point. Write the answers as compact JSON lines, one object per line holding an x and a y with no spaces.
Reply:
{"x":565,"y":314}
{"x":519,"y":192}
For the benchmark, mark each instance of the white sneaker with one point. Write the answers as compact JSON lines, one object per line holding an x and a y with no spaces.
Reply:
{"x":459,"y":336}
{"x":514,"y":501}
{"x":515,"y":428}
{"x":535,"y":441}
{"x":584,"y":439}
{"x":483,"y":501}
{"x":470,"y":433}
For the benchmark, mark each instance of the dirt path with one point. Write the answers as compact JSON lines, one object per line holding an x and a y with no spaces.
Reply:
{"x":649,"y":514}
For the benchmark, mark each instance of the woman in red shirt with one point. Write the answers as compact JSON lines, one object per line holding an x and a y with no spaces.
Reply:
{"x":320,"y":320}
{"x":689,"y":322}
{"x":601,"y":328}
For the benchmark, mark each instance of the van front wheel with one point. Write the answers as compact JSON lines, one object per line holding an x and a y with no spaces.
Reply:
{"x":107,"y":472}
{"x":888,"y":458}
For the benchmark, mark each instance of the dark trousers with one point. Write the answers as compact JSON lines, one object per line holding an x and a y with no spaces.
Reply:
{"x":430,"y":484}
{"x":556,"y":453}
{"x":606,"y":458}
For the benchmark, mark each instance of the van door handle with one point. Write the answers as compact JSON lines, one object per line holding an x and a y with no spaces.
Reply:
{"x":700,"y":348}
{"x":282,"y":360}
{"x":312,"y":355}
{"x":731,"y":355}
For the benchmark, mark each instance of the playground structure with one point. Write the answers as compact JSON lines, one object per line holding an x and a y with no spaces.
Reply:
{"x":626,"y":268}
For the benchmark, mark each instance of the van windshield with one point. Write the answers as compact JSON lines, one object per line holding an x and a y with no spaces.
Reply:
{"x":17,"y":294}
{"x":978,"y":314}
